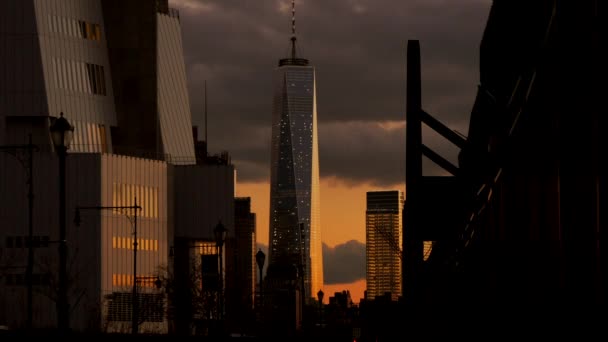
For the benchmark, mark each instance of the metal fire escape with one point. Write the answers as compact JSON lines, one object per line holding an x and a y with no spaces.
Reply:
{"x":513,"y":110}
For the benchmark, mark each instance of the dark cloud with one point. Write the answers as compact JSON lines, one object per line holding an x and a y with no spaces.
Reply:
{"x":344,"y":263}
{"x":358,"y":48}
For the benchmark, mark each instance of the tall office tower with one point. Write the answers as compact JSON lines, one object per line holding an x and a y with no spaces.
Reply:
{"x":295,"y":230}
{"x":383,"y":243}
{"x":116,"y":70}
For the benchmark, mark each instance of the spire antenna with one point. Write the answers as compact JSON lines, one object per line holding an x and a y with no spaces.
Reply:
{"x":293,"y":29}
{"x":293,"y":58}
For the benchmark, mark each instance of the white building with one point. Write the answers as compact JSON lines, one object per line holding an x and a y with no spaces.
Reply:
{"x":115,"y":69}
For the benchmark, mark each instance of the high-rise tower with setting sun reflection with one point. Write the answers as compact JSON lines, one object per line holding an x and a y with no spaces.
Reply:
{"x":295,"y":227}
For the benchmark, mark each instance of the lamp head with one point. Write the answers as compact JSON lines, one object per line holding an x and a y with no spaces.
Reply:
{"x":320,"y":295}
{"x":61,"y":133}
{"x":260,"y":258}
{"x":220,"y":234}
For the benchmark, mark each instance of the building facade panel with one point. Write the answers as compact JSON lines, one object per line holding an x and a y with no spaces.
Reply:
{"x":173,"y":102}
{"x":76,"y":69}
{"x":125,"y":181}
{"x":55,"y":60}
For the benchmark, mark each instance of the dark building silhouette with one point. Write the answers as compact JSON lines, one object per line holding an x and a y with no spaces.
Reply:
{"x":520,"y":224}
{"x":339,"y":319}
{"x":380,"y":319}
{"x":241,"y":281}
{"x":203,"y":195}
{"x":282,"y":300}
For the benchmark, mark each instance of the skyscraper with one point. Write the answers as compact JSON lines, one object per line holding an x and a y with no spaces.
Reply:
{"x":295,"y":231}
{"x":383,"y":243}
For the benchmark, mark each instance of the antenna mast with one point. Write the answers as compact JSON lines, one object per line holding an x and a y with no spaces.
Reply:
{"x":293,"y":59}
{"x":293,"y":29}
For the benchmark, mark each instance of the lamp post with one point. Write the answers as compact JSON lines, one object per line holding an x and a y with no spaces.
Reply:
{"x":28,"y":164}
{"x":220,"y":236}
{"x":260,"y":257}
{"x":134,"y":300}
{"x":320,"y":295}
{"x":61,"y":134}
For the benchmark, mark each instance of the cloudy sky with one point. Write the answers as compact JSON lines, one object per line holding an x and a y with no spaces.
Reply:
{"x":358,"y":48}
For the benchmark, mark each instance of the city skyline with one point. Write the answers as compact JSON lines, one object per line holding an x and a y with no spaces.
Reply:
{"x":360,"y":60}
{"x":364,"y":177}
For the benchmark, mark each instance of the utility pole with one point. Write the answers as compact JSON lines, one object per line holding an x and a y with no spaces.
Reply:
{"x":134,"y":300}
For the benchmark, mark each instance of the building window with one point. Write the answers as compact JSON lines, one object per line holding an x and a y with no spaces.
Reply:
{"x":89,"y":31}
{"x":75,"y":28}
{"x":96,"y":78}
{"x":142,"y":244}
{"x":80,"y":77}
{"x":147,"y":198}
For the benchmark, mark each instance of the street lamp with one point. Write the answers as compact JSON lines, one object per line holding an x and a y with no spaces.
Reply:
{"x":260,"y":257}
{"x":134,"y":300}
{"x":61,"y":134}
{"x":220,"y":236}
{"x":28,"y":163}
{"x":320,"y":295}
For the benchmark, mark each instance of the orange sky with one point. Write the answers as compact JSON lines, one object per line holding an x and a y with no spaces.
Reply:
{"x":342,"y":217}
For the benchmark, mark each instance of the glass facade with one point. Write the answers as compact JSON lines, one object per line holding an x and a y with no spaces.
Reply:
{"x":383,"y":243}
{"x":295,"y":232}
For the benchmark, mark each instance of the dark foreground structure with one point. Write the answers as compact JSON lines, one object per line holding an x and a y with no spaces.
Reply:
{"x":519,"y":229}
